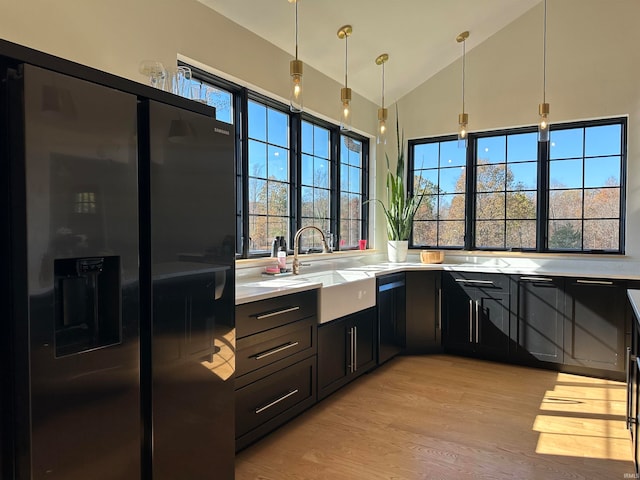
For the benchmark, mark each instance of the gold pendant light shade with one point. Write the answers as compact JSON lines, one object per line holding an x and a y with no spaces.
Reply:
{"x":543,"y":108}
{"x":344,"y":33}
{"x":295,"y":72}
{"x":381,"y":136}
{"x":463,"y":118}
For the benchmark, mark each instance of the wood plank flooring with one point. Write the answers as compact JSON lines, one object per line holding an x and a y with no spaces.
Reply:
{"x":447,"y":417}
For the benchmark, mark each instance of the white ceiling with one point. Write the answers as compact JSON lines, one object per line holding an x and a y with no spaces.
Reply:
{"x":418,"y":35}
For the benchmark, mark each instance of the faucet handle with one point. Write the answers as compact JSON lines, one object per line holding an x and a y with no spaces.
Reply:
{"x":329,"y":242}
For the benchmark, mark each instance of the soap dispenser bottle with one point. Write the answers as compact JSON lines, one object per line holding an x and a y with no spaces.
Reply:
{"x":282,"y":255}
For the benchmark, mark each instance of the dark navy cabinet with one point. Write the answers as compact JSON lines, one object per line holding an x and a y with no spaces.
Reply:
{"x":476,"y":313}
{"x":275,"y":363}
{"x":424,"y":312}
{"x":346,"y":350}
{"x":594,"y":326}
{"x":538,"y":318}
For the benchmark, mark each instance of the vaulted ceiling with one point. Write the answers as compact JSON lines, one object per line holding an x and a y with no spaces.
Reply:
{"x":418,"y":35}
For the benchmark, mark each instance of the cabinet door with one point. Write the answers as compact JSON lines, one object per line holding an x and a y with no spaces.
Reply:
{"x":477,"y":312}
{"x":539,"y":319}
{"x":423,"y":306}
{"x":363,"y":324}
{"x":595,"y":323}
{"x":333,"y":357}
{"x":491,"y":329}
{"x":457,"y":315}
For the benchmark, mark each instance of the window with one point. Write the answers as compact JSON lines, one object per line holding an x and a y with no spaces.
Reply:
{"x":567,"y":195}
{"x":585,"y":172}
{"x":505,"y":191}
{"x":315,"y":181}
{"x":292,"y":170}
{"x":353,"y":162}
{"x":268,"y":175}
{"x":439,"y":175}
{"x":213,"y":96}
{"x":212,"y":91}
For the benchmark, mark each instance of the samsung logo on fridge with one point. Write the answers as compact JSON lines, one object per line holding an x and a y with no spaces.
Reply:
{"x":221,"y":130}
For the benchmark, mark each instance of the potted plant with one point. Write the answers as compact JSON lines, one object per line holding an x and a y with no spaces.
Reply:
{"x":400,"y":209}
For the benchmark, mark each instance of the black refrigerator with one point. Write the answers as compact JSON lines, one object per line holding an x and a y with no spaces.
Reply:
{"x":118,"y":301}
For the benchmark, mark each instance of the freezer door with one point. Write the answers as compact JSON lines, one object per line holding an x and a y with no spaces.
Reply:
{"x":192,"y":235}
{"x":80,"y":164}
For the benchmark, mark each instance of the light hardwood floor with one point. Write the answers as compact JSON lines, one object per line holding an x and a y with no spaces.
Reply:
{"x":447,"y":417}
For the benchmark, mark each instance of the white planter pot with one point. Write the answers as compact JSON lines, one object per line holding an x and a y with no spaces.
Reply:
{"x":397,"y":250}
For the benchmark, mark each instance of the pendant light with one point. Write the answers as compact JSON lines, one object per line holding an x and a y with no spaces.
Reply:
{"x":543,"y":108}
{"x":295,"y":71}
{"x":463,"y":118}
{"x":382,"y":112}
{"x":345,"y":93}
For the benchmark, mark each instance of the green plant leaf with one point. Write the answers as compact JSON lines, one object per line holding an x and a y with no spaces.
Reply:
{"x":400,"y":210}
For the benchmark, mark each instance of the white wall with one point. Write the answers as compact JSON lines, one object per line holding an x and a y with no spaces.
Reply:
{"x":593,"y":70}
{"x":116,"y":35}
{"x":593,"y":67}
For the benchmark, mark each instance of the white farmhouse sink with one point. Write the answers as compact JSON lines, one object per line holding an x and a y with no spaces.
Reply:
{"x":343,"y":292}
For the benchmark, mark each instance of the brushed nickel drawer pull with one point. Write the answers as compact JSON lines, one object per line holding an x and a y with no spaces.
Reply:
{"x":277,"y":312}
{"x":595,"y":282}
{"x":477,"y":322}
{"x":470,"y":321}
{"x":355,"y":349}
{"x":279,"y":349}
{"x":439,"y":327}
{"x":275,"y":402}
{"x":477,"y":282}
{"x":351,"y":350}
{"x":537,"y":279}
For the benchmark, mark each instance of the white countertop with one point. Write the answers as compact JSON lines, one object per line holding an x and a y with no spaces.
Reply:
{"x":634,"y":299}
{"x":249,"y":289}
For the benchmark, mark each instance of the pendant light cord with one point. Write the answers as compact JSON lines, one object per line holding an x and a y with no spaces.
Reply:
{"x":382,"y":84}
{"x":464,"y":54}
{"x":544,"y":54}
{"x":346,"y":59}
{"x":296,"y":30}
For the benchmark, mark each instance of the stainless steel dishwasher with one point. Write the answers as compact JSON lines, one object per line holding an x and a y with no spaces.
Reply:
{"x":392,"y":323}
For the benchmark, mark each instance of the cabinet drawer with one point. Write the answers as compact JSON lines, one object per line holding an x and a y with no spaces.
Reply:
{"x":270,"y":398}
{"x":479,"y":280}
{"x":265,"y":314}
{"x":262,"y":349}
